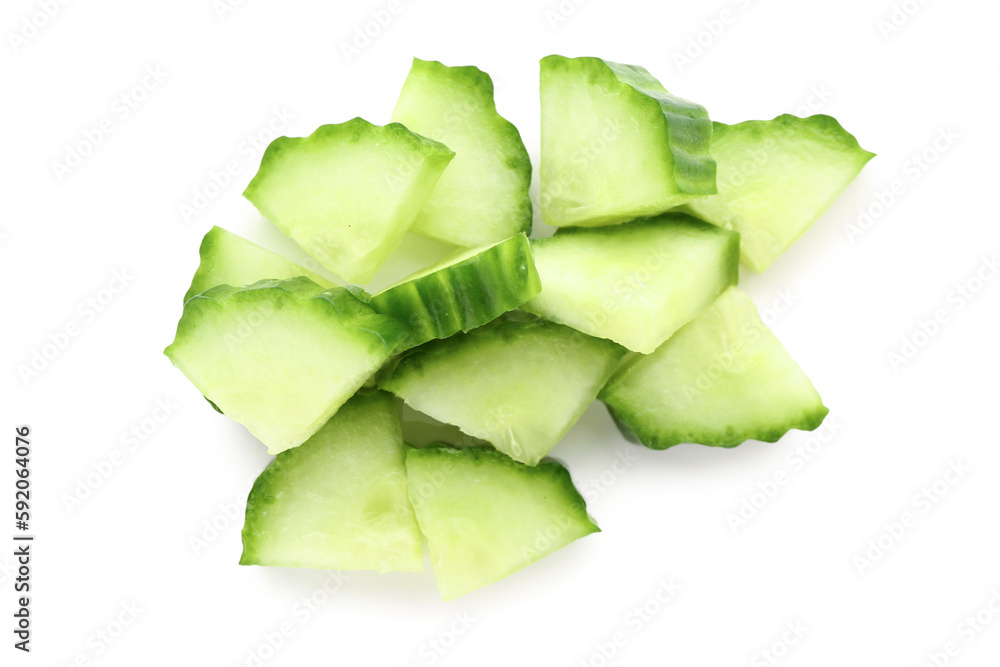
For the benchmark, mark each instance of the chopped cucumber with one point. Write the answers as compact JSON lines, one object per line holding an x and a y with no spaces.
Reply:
{"x":347,"y":193}
{"x":517,"y":385}
{"x":482,"y":197}
{"x":635,"y":283}
{"x":339,"y":501}
{"x":722,"y":379}
{"x":462,"y":292}
{"x":776,"y":177}
{"x":616,"y":145}
{"x":280,"y":357}
{"x":486,"y":516}
{"x":228,"y":259}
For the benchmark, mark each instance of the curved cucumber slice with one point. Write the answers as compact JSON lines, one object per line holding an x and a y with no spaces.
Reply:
{"x":347,"y":193}
{"x":635,"y":283}
{"x":228,"y":259}
{"x":776,"y":177}
{"x":280,"y":357}
{"x":462,"y":292}
{"x":486,"y":516}
{"x":517,"y":385}
{"x":616,"y":145}
{"x":722,"y":379}
{"x":482,"y":198}
{"x":339,"y":501}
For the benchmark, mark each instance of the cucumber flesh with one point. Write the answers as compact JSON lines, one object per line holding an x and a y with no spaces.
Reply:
{"x":482,"y":197}
{"x":462,"y":292}
{"x":776,"y":178}
{"x":616,"y":145}
{"x":486,"y":516}
{"x":339,"y":501}
{"x":229,"y":259}
{"x":518,"y":385}
{"x":722,"y":379}
{"x":347,"y":193}
{"x":280,"y":357}
{"x":635,"y":283}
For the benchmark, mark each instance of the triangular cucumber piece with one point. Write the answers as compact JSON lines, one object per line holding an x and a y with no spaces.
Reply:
{"x":486,"y":516}
{"x":339,"y":501}
{"x":230,"y":259}
{"x":280,"y":357}
{"x":462,"y":292}
{"x":636,"y":283}
{"x":482,"y":197}
{"x":518,"y":385}
{"x":616,"y":145}
{"x":722,"y":379}
{"x":347,"y":193}
{"x":776,"y":178}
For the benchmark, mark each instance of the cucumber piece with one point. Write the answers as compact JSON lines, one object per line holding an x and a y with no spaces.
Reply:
{"x":518,"y":385}
{"x":462,"y":292}
{"x":776,"y":178}
{"x":347,"y":193}
{"x":338,"y":501}
{"x":280,"y":357}
{"x":486,"y":516}
{"x":635,"y":283}
{"x":228,"y":259}
{"x":616,"y":145}
{"x":482,"y":198}
{"x":722,"y":379}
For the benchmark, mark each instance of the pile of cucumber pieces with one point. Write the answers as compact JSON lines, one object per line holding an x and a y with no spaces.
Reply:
{"x":632,"y":301}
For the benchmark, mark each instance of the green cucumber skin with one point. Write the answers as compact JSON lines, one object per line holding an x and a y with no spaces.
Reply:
{"x":684,"y":170}
{"x":374,"y":528}
{"x":343,"y":245}
{"x":824,"y":157}
{"x":489,"y":214}
{"x":477,"y":487}
{"x":229,"y":259}
{"x":465,"y":295}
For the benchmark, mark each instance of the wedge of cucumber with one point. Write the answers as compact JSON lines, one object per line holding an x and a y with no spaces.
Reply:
{"x":486,"y":516}
{"x":518,"y":385}
{"x":616,"y":145}
{"x":776,"y":178}
{"x":347,"y":193}
{"x":482,"y":197}
{"x":280,"y":357}
{"x":462,"y":292}
{"x":721,"y":380}
{"x":636,"y":283}
{"x":339,"y":501}
{"x":229,"y":259}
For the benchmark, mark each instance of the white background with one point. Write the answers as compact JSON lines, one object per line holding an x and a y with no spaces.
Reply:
{"x":891,"y":431}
